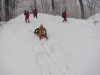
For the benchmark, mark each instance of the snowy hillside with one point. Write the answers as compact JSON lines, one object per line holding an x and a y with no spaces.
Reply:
{"x":73,"y":48}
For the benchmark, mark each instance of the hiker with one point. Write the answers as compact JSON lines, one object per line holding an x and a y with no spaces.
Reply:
{"x":64,"y":15}
{"x":41,"y":32}
{"x":26,"y":13}
{"x":35,"y":12}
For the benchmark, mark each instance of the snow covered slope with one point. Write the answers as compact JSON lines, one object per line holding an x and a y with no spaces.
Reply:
{"x":73,"y":47}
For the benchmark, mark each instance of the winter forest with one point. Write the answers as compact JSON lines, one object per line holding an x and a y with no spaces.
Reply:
{"x":49,"y":37}
{"x":75,"y":8}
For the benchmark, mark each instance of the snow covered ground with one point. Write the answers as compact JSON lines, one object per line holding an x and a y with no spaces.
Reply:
{"x":73,"y":47}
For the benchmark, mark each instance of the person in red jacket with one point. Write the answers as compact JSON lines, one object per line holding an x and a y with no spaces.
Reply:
{"x":26,"y":13}
{"x":35,"y":12}
{"x":64,"y":15}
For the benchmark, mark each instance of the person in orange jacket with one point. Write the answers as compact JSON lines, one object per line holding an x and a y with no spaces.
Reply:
{"x":42,"y":32}
{"x":64,"y":15}
{"x":35,"y":12}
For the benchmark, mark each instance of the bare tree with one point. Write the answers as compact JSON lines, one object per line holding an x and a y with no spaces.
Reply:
{"x":53,"y":7}
{"x":6,"y":10}
{"x":35,"y":4}
{"x":42,"y":3}
{"x":82,"y":9}
{"x":0,"y":9}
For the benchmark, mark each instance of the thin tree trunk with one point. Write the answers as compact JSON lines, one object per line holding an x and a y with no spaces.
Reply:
{"x":6,"y":10}
{"x":53,"y":7}
{"x":35,"y":4}
{"x":42,"y":4}
{"x":0,"y":9}
{"x":82,"y":9}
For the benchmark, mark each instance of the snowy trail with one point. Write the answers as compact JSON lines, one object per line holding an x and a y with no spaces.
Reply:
{"x":73,"y":48}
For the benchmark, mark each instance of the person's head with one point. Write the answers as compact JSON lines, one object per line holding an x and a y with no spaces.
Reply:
{"x":41,"y":26}
{"x":24,"y":10}
{"x":65,"y":10}
{"x":27,"y":11}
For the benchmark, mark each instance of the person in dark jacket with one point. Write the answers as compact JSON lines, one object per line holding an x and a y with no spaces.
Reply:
{"x":64,"y":15}
{"x":35,"y":12}
{"x":41,"y":32}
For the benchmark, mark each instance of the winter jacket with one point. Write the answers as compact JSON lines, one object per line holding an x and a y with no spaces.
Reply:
{"x":27,"y":15}
{"x":64,"y":14}
{"x":35,"y":11}
{"x":40,"y":31}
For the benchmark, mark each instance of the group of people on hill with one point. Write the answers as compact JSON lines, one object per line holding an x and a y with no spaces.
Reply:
{"x":41,"y":31}
{"x":35,"y":12}
{"x":27,"y":14}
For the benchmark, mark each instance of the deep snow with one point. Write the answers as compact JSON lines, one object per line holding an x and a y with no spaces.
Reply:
{"x":73,"y":47}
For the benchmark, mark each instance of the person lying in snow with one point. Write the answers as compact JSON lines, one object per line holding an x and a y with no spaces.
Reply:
{"x":41,"y":32}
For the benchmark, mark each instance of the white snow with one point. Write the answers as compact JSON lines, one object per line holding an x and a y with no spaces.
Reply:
{"x":73,"y":47}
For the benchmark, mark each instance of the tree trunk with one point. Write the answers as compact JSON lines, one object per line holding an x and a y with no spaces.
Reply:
{"x":53,"y":7}
{"x":10,"y":9}
{"x":35,"y":4}
{"x":6,"y":10}
{"x":0,"y":9}
{"x":82,"y":9}
{"x":42,"y":4}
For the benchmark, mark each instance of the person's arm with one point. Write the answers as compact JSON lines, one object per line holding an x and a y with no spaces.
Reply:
{"x":24,"y":13}
{"x":36,"y":30}
{"x":45,"y":31}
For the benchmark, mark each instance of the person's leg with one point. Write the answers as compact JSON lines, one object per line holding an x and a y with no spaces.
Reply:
{"x":45,"y":36}
{"x":65,"y":18}
{"x":26,"y":19}
{"x":36,"y":15}
{"x":40,"y":36}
